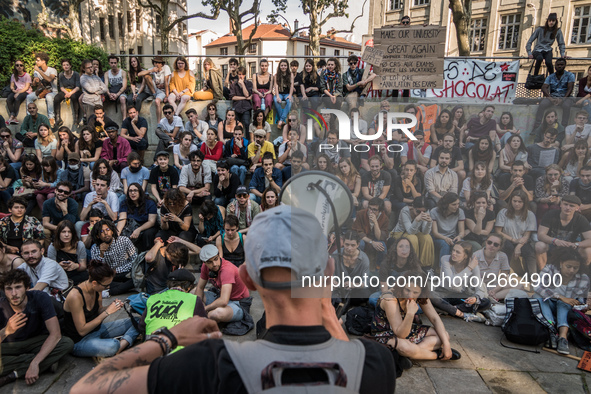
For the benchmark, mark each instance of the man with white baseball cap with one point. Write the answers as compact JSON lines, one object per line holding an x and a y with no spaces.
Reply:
{"x":222,"y":302}
{"x":284,"y":245}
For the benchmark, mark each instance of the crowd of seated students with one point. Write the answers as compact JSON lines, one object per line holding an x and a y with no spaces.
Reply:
{"x":459,"y":200}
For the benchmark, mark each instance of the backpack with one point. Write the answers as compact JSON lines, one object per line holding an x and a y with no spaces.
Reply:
{"x":139,"y":267}
{"x":359,"y":320}
{"x":580,"y":329}
{"x":524,"y":323}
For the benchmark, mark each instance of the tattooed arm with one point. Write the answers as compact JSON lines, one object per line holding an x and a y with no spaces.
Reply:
{"x":128,"y":372}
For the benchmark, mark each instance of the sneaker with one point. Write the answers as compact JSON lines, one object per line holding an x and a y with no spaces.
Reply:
{"x":10,"y":378}
{"x":476,"y":318}
{"x":562,"y":347}
{"x":553,"y":341}
{"x":54,"y":367}
{"x":97,"y":360}
{"x":106,"y":294}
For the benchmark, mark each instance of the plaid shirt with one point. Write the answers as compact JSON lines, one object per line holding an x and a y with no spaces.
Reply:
{"x":119,"y":256}
{"x":577,"y":288}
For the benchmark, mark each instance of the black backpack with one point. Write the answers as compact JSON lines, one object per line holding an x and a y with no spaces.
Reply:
{"x":524,"y":323}
{"x":359,"y":320}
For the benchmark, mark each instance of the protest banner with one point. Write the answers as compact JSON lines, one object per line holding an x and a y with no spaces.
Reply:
{"x":476,"y":79}
{"x":372,"y":55}
{"x":413,"y":57}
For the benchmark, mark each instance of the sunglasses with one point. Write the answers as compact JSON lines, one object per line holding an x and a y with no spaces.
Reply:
{"x":62,"y":191}
{"x":406,"y":22}
{"x":19,"y":65}
{"x":352,"y":62}
{"x":167,"y":112}
{"x":133,"y":191}
{"x":242,"y":195}
{"x":495,"y":244}
{"x":105,"y":286}
{"x":6,"y":136}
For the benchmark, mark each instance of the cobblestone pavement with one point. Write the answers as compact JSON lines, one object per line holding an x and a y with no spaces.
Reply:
{"x":485,"y":367}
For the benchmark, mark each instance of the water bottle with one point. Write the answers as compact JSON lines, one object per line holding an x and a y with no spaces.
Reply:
{"x":263,"y":106}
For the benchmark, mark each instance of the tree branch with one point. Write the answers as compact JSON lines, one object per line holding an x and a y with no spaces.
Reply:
{"x":350,"y":30}
{"x":196,"y":15}
{"x":151,"y":5}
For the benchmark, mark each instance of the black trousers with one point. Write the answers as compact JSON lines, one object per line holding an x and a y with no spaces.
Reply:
{"x":74,"y":102}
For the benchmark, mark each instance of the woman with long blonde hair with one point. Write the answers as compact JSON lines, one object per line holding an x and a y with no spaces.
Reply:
{"x":214,"y":84}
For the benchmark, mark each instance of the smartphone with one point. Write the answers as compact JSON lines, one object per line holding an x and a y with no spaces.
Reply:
{"x":35,"y":180}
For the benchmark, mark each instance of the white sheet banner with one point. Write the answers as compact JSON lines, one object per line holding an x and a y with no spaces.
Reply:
{"x":476,"y":79}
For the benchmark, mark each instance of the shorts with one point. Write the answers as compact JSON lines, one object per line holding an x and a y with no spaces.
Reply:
{"x":159,"y":94}
{"x":237,"y":312}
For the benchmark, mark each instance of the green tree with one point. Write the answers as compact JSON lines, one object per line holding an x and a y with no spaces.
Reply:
{"x":319,"y":13}
{"x":21,"y":43}
{"x":238,"y":19}
{"x":168,"y":22}
{"x":461,"y":11}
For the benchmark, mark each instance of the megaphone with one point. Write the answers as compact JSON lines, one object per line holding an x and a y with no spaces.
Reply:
{"x":323,"y":195}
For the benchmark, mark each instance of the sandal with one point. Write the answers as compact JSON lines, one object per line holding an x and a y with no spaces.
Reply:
{"x":455,"y":355}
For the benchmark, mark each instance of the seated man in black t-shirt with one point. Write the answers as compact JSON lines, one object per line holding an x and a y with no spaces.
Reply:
{"x":30,"y":333}
{"x":219,"y":366}
{"x":162,"y":259}
{"x":134,"y":129}
{"x":162,"y":177}
{"x":564,"y":227}
{"x":376,"y":183}
{"x":515,"y":180}
{"x":581,"y":187}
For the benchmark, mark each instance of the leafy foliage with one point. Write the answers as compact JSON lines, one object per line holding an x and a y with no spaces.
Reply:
{"x":21,"y":43}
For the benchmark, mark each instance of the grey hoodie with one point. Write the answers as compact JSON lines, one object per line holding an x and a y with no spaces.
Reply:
{"x":544,"y":43}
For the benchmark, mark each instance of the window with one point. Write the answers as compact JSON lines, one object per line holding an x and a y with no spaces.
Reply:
{"x":140,"y":50}
{"x":102,"y":27}
{"x":157,"y":22}
{"x":138,"y":19}
{"x":307,"y":50}
{"x":337,"y":52}
{"x":396,"y":5}
{"x":581,"y":22}
{"x":252,"y":48}
{"x":223,"y":51}
{"x":252,"y":66}
{"x":236,"y":49}
{"x":120,"y":23}
{"x":111,"y":27}
{"x":129,"y":21}
{"x":421,"y":2}
{"x":509,"y":32}
{"x":224,"y":70}
{"x":322,"y":51}
{"x":477,"y":35}
{"x":131,"y":51}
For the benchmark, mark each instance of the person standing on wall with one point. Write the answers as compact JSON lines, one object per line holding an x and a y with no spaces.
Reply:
{"x":545,"y":36}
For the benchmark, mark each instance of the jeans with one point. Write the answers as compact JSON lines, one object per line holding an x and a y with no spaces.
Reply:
{"x":552,"y":308}
{"x":48,"y":99}
{"x":545,"y":104}
{"x":221,"y":201}
{"x":443,"y":247}
{"x":13,"y":102}
{"x":238,"y":313}
{"x":239,"y":171}
{"x":137,"y":104}
{"x":255,"y":198}
{"x":244,"y":117}
{"x":282,"y":113}
{"x":17,"y":356}
{"x":545,"y":56}
{"x":102,"y":343}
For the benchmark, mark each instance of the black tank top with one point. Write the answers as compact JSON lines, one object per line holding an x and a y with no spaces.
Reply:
{"x":70,"y":327}
{"x":228,"y":135}
{"x":237,"y":256}
{"x":264,"y":85}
